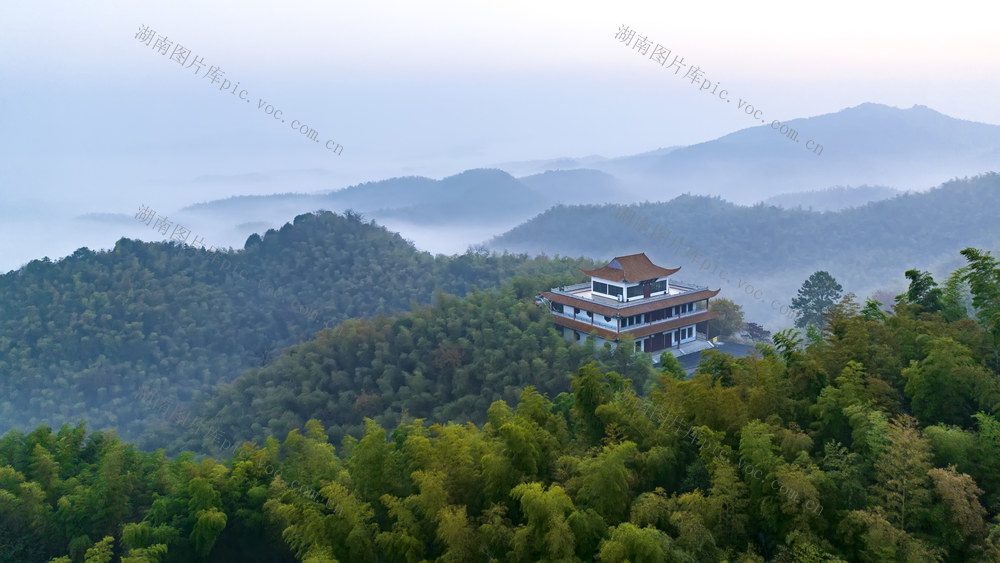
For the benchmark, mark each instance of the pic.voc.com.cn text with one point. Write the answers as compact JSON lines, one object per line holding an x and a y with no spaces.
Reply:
{"x":662,"y":55}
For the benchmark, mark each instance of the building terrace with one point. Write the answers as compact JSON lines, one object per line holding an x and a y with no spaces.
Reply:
{"x":631,"y":295}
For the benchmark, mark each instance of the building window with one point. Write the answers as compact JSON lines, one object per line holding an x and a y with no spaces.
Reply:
{"x":660,"y":286}
{"x":635,"y":291}
{"x":557,"y":307}
{"x":576,"y":311}
{"x":614,"y":290}
{"x":599,"y":287}
{"x":607,"y":319}
{"x":590,"y":314}
{"x":577,"y":335}
{"x":633,"y":320}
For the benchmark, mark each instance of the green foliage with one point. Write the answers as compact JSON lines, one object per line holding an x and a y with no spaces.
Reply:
{"x":983,"y":276}
{"x":729,"y":320}
{"x":448,"y":361}
{"x":670,"y":367}
{"x":82,"y":335}
{"x":902,"y":482}
{"x":872,"y":311}
{"x":546,"y":533}
{"x":923,"y":291}
{"x":947,"y":385}
{"x":605,"y":482}
{"x":818,"y":293}
{"x":956,"y":298}
{"x":787,"y":342}
{"x":874,"y":242}
{"x":207,"y":527}
{"x":630,"y":543}
{"x":757,"y":332}
{"x":863,"y":445}
{"x":101,"y":552}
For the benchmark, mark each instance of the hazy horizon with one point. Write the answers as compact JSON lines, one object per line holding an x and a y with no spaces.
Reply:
{"x":99,"y":122}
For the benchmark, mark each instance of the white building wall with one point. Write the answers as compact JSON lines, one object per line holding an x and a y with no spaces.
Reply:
{"x":583,"y":318}
{"x":610,"y":325}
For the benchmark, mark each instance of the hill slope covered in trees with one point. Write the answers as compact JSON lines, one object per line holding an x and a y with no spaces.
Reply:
{"x":874,"y":440}
{"x":80,"y":336}
{"x":865,"y":248}
{"x":446,"y":362}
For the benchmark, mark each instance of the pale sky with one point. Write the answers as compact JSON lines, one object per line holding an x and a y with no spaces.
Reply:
{"x":95,"y":121}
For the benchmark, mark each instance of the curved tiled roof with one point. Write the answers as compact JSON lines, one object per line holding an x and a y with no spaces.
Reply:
{"x":632,"y":268}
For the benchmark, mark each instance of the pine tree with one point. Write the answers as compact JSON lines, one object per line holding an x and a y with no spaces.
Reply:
{"x":818,"y":293}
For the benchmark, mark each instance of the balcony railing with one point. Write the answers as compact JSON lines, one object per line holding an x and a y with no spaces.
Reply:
{"x":575,"y":290}
{"x":600,"y":322}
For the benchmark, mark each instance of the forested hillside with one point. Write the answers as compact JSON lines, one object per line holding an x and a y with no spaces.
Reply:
{"x":875,"y":439}
{"x":866,"y":248}
{"x":879,"y":238}
{"x":833,"y":199}
{"x":446,"y":362}
{"x":80,"y":336}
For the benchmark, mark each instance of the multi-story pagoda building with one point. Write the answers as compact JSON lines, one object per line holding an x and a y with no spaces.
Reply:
{"x":631,"y":295}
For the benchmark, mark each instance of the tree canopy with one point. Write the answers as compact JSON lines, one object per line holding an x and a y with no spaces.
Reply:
{"x":818,"y":293}
{"x":79,"y":337}
{"x":872,"y":440}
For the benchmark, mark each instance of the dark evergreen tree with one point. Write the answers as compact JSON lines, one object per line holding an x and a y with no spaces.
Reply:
{"x":818,"y":293}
